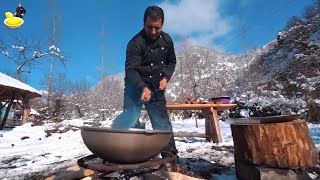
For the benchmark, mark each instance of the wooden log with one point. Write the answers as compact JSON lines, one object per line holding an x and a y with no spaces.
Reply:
{"x":251,"y":172}
{"x":179,"y":176}
{"x":281,"y":145}
{"x":76,"y":172}
{"x":189,"y":134}
{"x":73,"y":172}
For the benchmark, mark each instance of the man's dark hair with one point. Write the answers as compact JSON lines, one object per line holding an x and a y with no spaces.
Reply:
{"x":153,"y":12}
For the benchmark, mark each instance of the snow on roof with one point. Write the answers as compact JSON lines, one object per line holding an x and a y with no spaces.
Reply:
{"x":8,"y":81}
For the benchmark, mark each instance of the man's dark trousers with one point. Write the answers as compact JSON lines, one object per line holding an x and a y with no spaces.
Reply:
{"x":157,"y":111}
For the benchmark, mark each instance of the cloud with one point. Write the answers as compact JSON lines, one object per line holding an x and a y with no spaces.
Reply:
{"x":198,"y":20}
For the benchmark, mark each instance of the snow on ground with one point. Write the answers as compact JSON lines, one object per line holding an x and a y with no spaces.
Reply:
{"x":26,"y":149}
{"x":28,"y":153}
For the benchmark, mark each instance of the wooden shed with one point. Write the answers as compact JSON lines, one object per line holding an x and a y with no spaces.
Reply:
{"x":12,"y":89}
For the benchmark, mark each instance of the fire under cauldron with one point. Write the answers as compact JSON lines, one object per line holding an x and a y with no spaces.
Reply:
{"x":125,"y":146}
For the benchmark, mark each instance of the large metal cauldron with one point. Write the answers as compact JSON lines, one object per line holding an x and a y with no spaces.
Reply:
{"x":125,"y":146}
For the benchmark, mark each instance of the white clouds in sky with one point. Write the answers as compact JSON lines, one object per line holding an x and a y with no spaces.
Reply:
{"x":198,"y":20}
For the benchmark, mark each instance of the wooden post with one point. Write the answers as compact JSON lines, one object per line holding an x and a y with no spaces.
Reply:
{"x":216,"y":134}
{"x":208,"y":125}
{"x":196,"y":123}
{"x":3,"y":122}
{"x":26,"y":109}
{"x":212,"y":125}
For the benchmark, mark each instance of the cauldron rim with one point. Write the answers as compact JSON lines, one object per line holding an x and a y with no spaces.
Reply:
{"x":127,"y":131}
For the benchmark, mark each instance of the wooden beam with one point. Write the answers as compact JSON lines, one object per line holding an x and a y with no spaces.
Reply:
{"x":2,"y":98}
{"x":20,"y":97}
{"x":19,"y":104}
{"x":2,"y":106}
{"x":4,"y":89}
{"x":218,"y":107}
{"x":189,"y":134}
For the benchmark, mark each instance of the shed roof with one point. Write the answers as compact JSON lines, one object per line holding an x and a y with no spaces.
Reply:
{"x":9,"y":84}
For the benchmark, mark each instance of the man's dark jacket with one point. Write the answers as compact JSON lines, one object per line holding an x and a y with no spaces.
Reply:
{"x":149,"y":61}
{"x":19,"y":11}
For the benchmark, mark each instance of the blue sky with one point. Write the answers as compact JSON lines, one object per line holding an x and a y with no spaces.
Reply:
{"x":210,"y":23}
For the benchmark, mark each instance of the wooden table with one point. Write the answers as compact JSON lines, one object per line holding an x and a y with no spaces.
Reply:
{"x":210,"y":112}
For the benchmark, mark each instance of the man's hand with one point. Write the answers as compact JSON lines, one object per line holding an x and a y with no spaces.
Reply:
{"x":146,"y":94}
{"x":163,"y":84}
{"x":22,"y":14}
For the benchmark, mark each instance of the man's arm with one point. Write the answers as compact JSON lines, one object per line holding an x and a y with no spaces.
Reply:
{"x":15,"y":13}
{"x":133,"y":61}
{"x":24,"y":11}
{"x":170,"y":63}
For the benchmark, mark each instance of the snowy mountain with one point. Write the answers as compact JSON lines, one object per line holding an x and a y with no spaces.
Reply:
{"x":281,"y":77}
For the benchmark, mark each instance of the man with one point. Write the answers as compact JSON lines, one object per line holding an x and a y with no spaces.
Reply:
{"x":150,"y":63}
{"x":20,"y":11}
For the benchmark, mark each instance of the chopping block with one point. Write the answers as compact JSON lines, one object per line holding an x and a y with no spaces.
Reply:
{"x":273,"y":145}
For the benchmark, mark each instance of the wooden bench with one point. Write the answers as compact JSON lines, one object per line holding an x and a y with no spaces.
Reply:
{"x":210,"y":112}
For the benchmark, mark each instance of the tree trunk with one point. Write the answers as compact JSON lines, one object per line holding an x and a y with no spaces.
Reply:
{"x":19,"y":73}
{"x":280,"y":145}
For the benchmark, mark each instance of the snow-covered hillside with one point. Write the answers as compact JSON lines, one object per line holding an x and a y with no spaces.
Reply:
{"x":31,"y":152}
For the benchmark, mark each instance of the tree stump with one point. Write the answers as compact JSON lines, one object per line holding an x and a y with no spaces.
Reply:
{"x":279,"y":145}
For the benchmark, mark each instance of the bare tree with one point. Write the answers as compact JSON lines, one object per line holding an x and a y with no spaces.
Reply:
{"x":195,"y":71}
{"x":54,"y":51}
{"x":23,"y":52}
{"x":79,"y":86}
{"x":60,"y":89}
{"x":246,"y":58}
{"x":108,"y":95}
{"x":76,"y":99}
{"x":183,"y":55}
